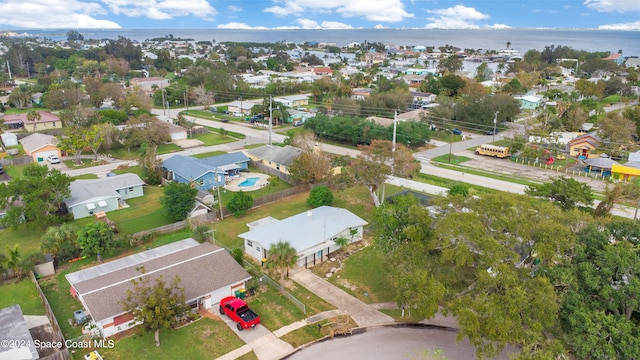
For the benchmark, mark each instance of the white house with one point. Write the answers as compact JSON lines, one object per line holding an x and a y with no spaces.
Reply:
{"x":293,"y":101}
{"x":207,"y":274}
{"x":102,"y":195}
{"x":311,"y":233}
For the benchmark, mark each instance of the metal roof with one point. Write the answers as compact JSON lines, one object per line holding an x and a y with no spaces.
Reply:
{"x":84,"y":190}
{"x":305,"y":230}
{"x":279,"y":155}
{"x":189,"y":167}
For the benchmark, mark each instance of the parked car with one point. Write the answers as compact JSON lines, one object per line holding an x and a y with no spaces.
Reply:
{"x":456,"y":131}
{"x":298,"y":123}
{"x":53,"y":159}
{"x":213,"y":109}
{"x":492,"y":132}
{"x":1,"y":169}
{"x":238,"y":114}
{"x":238,"y":311}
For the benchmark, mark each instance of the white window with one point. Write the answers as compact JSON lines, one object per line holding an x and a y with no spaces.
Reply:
{"x":91,"y":206}
{"x":102,"y":203}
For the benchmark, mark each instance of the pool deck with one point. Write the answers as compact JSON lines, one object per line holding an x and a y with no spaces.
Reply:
{"x":233,"y":184}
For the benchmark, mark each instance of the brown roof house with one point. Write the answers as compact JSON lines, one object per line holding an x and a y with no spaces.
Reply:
{"x":39,"y":146}
{"x":583,"y":145}
{"x":47,"y":121}
{"x":207,"y":274}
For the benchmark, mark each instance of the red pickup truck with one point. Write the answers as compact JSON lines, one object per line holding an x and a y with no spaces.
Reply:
{"x":239,"y":311}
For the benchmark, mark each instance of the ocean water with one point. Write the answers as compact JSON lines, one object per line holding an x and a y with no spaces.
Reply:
{"x":520,"y":39}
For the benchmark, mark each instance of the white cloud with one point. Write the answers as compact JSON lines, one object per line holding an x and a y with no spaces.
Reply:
{"x":48,"y":14}
{"x":613,"y":5}
{"x":308,"y":23}
{"x":240,"y":26}
{"x":312,"y":24}
{"x":335,"y":25}
{"x":499,"y":26}
{"x":234,"y":9}
{"x":621,"y":26}
{"x":372,"y":10}
{"x":380,"y":26}
{"x":161,"y":9}
{"x":457,"y":17}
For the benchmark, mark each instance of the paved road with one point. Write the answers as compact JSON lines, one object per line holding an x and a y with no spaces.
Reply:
{"x":392,"y":343}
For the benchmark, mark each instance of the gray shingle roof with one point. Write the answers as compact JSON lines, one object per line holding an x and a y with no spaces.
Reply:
{"x":36,"y":141}
{"x":83,"y":190}
{"x":279,"y":155}
{"x":307,"y":229}
{"x":202,"y":269}
{"x":225,"y":159}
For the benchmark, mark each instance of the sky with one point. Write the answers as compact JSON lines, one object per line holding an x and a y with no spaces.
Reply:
{"x":319,"y":14}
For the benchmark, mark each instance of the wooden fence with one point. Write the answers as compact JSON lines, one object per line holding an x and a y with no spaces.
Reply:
{"x":62,"y":354}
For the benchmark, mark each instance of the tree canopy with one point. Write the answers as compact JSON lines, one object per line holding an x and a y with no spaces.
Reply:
{"x":567,"y":192}
{"x":178,"y":200}
{"x":95,"y":238}
{"x":37,"y":196}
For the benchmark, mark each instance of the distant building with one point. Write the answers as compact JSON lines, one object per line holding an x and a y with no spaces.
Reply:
{"x":529,"y":102}
{"x":616,"y":57}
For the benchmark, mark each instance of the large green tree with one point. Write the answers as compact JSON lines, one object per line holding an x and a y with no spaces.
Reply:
{"x":60,"y":241}
{"x":240,"y":203}
{"x":95,"y":239}
{"x":157,"y":306}
{"x":178,"y":200}
{"x":478,"y":260}
{"x":36,"y":196}
{"x":567,"y":192}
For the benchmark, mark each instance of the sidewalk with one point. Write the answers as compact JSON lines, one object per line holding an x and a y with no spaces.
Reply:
{"x":364,"y":315}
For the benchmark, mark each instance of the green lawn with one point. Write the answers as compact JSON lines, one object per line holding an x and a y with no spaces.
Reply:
{"x":23,"y":293}
{"x":367,"y":277}
{"x":214,"y":138}
{"x":451,"y":159}
{"x":204,"y":339}
{"x":209,"y":154}
{"x":132,"y":154}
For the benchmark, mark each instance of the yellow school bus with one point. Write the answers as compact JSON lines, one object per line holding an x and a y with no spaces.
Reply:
{"x":493,"y":150}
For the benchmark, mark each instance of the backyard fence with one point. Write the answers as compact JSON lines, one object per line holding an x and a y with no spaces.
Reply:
{"x":293,"y":299}
{"x":62,"y":354}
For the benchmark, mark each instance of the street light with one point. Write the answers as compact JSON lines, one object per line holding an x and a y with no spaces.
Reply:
{"x":495,"y":119}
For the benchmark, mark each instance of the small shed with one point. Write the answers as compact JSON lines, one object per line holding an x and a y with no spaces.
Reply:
{"x":9,"y":139}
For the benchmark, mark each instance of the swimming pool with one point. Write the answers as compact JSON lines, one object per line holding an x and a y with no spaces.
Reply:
{"x":249,"y":182}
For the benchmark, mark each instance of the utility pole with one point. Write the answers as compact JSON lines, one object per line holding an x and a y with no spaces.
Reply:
{"x":495,"y":119}
{"x":219,"y":198}
{"x":164,"y":104}
{"x":270,"y":117}
{"x":395,"y":124}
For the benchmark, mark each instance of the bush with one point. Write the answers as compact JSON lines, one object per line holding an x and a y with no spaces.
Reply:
{"x":240,"y":203}
{"x":320,"y":196}
{"x":459,"y":189}
{"x":238,"y":255}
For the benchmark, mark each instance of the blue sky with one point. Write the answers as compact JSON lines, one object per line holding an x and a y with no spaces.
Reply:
{"x":319,"y":14}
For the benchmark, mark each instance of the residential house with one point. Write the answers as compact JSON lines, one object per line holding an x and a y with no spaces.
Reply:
{"x":89,"y":197}
{"x":275,"y":157}
{"x":149,"y":84}
{"x":297,"y":115}
{"x":207,"y":274}
{"x":207,"y":173}
{"x":178,"y":132}
{"x":293,"y":101}
{"x":529,"y":102}
{"x":413,"y":80}
{"x":361,"y":93}
{"x":9,"y":139}
{"x":39,"y":146}
{"x":312,"y":233}
{"x":374,"y":58}
{"x":47,"y":121}
{"x":616,"y":58}
{"x":322,"y":71}
{"x":14,"y":329}
{"x":240,"y":106}
{"x":583,"y":145}
{"x":633,"y":62}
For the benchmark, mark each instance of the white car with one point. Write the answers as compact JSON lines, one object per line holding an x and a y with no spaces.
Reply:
{"x":53,"y":159}
{"x":238,"y":114}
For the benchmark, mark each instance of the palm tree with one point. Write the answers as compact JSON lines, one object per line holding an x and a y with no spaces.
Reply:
{"x":34,"y":115}
{"x":282,"y":256}
{"x":14,"y":261}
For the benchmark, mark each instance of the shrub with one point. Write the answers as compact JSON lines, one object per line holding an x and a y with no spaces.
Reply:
{"x":459,"y":189}
{"x":319,"y":196}
{"x":240,"y":203}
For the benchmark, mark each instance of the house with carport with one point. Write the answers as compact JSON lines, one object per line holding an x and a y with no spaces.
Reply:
{"x":40,"y":146}
{"x":207,"y":274}
{"x":47,"y":121}
{"x":312,"y":233}
{"x":206,"y":173}
{"x":89,"y":197}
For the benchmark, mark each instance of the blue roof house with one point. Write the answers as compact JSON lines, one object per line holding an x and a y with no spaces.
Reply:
{"x":206,"y":173}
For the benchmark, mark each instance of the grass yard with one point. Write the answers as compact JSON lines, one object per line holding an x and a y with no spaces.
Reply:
{"x":275,"y":185}
{"x":275,"y":309}
{"x":214,"y":138}
{"x":203,"y":339}
{"x":86,"y":163}
{"x":451,"y":159}
{"x":313,"y":332}
{"x":209,"y":154}
{"x":23,"y":293}
{"x":132,"y":154}
{"x":364,"y":276}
